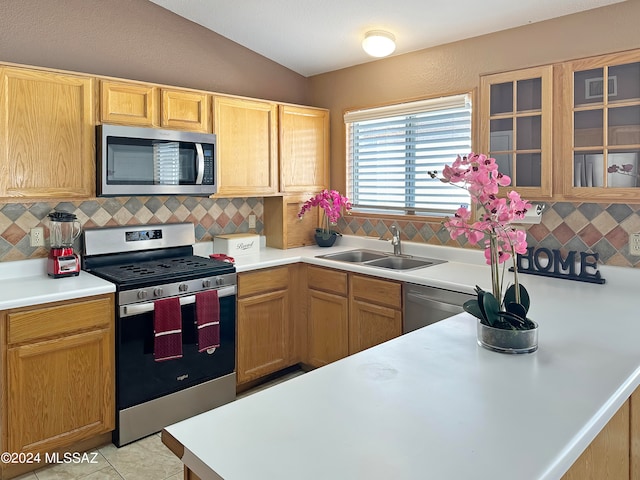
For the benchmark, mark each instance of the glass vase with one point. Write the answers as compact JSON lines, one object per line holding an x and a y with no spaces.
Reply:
{"x":507,"y":341}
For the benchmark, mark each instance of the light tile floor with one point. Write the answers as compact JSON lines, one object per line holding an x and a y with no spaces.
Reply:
{"x":146,"y":459}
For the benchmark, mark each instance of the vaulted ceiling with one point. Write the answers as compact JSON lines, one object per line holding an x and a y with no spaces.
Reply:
{"x":325,"y":35}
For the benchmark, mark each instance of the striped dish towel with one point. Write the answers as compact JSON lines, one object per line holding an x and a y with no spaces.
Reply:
{"x":167,"y":329}
{"x":208,"y":319}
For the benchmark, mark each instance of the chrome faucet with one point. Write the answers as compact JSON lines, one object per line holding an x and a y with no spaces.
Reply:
{"x":395,"y":240}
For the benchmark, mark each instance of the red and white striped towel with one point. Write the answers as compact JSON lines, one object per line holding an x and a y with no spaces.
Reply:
{"x":208,"y":319}
{"x":167,"y":329}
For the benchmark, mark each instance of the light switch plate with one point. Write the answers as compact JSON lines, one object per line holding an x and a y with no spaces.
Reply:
{"x":634,"y":244}
{"x":252,"y":221}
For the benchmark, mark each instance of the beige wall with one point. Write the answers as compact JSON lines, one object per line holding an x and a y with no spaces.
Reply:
{"x":457,"y":66}
{"x":139,"y":40}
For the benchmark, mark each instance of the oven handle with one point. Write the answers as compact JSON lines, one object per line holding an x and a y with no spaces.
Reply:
{"x":138,"y":308}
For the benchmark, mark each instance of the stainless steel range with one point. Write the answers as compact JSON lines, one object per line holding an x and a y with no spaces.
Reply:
{"x":166,"y":368}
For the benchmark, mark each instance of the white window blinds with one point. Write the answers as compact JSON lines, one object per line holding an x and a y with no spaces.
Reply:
{"x":390,"y":150}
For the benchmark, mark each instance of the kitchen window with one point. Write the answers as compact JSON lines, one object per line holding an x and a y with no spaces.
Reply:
{"x":390,"y":150}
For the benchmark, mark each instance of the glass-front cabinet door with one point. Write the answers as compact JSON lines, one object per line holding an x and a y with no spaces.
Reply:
{"x":516,"y":127}
{"x":602,"y":117}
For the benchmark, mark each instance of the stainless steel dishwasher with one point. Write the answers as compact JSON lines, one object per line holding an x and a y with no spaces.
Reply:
{"x":425,"y":305}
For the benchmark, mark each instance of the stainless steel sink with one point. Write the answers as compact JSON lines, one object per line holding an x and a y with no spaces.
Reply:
{"x":403,"y":263}
{"x":373,"y":258}
{"x":354,"y":256}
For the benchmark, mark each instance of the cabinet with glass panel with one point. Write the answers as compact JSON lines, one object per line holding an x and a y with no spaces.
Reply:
{"x":516,"y":127}
{"x":602,"y":150}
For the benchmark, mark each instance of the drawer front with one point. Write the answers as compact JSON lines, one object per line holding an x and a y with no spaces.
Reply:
{"x":25,"y":325}
{"x":327,"y":280}
{"x":380,"y":292}
{"x":262,"y":281}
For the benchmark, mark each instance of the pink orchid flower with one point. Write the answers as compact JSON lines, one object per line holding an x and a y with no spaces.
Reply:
{"x":479,"y":174}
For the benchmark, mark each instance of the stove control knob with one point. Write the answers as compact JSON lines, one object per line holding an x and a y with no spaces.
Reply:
{"x":142,"y":294}
{"x":157,"y":292}
{"x":219,"y":281}
{"x":183,"y":287}
{"x":206,"y":283}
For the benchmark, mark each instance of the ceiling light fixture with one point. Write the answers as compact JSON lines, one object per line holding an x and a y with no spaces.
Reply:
{"x":379,"y":43}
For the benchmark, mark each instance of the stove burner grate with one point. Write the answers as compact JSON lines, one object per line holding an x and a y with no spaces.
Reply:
{"x":179,"y":267}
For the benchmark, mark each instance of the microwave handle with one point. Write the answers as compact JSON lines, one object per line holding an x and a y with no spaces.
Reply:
{"x":138,"y":308}
{"x":200,"y":165}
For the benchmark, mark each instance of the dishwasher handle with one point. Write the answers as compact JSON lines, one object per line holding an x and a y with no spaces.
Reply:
{"x":430,"y":302}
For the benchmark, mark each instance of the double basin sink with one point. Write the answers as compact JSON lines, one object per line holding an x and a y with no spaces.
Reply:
{"x":374,"y":258}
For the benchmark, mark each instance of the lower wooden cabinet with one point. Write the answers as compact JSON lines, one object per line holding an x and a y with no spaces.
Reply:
{"x":60,"y":374}
{"x":265,"y":332}
{"x":608,"y":456}
{"x":327,"y":316}
{"x":348,"y":313}
{"x":375,"y":311}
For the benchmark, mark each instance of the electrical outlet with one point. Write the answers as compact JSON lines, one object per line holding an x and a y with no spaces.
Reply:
{"x":36,"y":237}
{"x":634,"y":244}
{"x":252,"y":221}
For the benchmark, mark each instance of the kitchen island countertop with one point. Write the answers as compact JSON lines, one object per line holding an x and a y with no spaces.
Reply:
{"x":432,"y":403}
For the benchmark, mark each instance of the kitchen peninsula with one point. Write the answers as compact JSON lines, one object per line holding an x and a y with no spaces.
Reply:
{"x":433,"y":404}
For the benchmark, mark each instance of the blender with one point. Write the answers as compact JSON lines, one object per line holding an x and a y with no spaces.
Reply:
{"x":63,"y":230}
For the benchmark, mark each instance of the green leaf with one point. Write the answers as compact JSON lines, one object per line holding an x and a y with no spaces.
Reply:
{"x":513,"y":320}
{"x":510,"y":297}
{"x":517,"y":309}
{"x":481,"y":303}
{"x":491,"y":308}
{"x":472,"y":307}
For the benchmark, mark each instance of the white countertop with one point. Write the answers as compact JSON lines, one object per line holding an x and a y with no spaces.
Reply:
{"x":24,"y":283}
{"x":432,"y":404}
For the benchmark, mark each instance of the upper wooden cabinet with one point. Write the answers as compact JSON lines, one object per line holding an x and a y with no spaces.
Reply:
{"x":516,"y":110}
{"x":304,"y":149}
{"x":247,"y":146}
{"x":47,"y":127}
{"x":601,"y":144}
{"x":184,"y":110}
{"x":128,"y":104}
{"x":152,"y":106}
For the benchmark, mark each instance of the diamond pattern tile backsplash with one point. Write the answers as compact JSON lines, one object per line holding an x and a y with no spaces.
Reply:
{"x":583,"y":227}
{"x":588,"y":227}
{"x":210,"y":217}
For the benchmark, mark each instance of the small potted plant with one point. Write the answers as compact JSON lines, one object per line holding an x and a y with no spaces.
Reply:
{"x":333,"y":204}
{"x":503,"y":324}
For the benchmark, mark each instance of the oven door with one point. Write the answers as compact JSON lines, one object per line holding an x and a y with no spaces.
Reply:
{"x":139,"y":378}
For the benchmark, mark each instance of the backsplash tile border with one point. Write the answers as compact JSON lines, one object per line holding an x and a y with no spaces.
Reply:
{"x":565,"y":226}
{"x":592,"y":227}
{"x":211,"y":216}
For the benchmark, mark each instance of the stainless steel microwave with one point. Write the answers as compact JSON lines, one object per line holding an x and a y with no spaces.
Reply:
{"x":151,"y":161}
